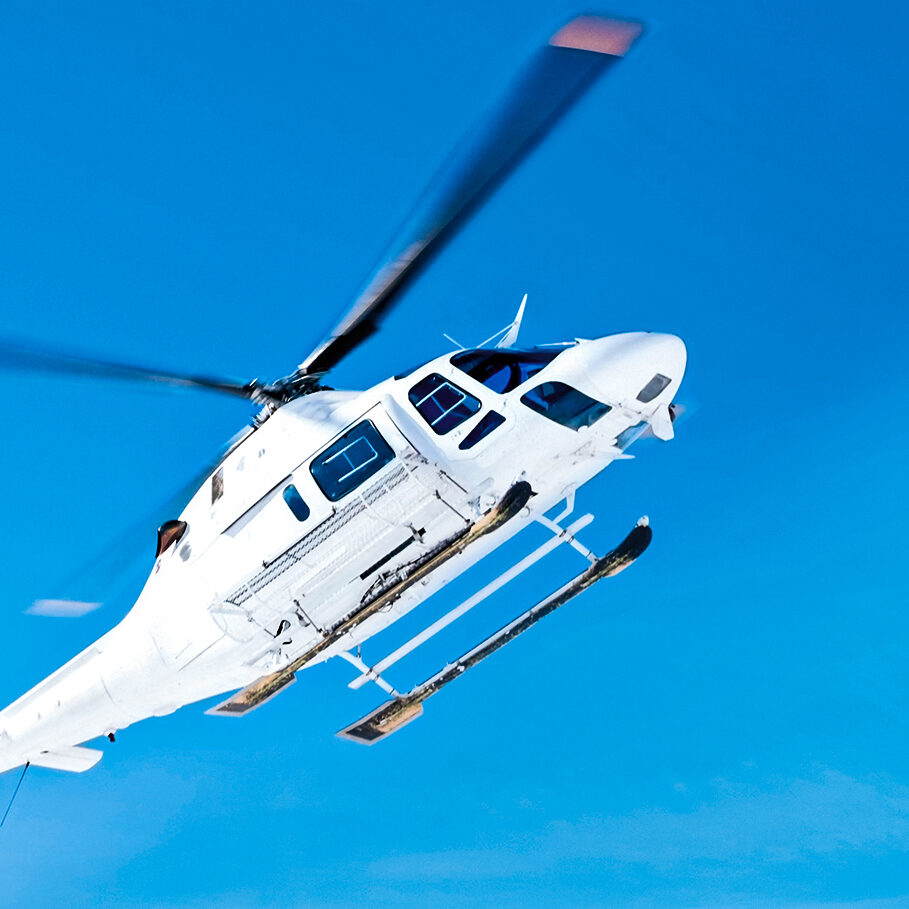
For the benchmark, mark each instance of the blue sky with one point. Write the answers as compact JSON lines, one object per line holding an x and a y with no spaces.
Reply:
{"x":204,"y":185}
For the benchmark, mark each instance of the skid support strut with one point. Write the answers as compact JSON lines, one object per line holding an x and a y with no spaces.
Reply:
{"x":373,"y":673}
{"x":392,"y":715}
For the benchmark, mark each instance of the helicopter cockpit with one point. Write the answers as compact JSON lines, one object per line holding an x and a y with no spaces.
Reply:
{"x":503,"y":369}
{"x":444,"y":405}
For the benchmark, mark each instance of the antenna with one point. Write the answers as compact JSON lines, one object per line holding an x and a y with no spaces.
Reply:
{"x":15,"y":793}
{"x":511,"y":333}
{"x":457,"y":344}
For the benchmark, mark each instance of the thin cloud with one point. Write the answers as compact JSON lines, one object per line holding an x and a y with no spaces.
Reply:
{"x":65,"y":609}
{"x":776,"y":821}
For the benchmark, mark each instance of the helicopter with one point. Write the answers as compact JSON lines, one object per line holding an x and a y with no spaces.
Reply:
{"x":336,"y":513}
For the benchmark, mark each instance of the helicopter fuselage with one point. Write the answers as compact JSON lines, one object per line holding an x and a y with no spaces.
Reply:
{"x":332,"y":500}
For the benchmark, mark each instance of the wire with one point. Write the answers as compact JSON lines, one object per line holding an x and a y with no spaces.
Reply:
{"x":15,"y":792}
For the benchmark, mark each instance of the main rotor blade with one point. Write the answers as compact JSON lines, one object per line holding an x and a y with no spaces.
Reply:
{"x":556,"y":77}
{"x":119,"y":568}
{"x":15,"y":355}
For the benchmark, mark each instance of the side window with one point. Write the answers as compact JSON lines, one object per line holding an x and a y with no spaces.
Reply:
{"x":295,"y":503}
{"x":565,"y":405}
{"x":441,"y":404}
{"x":488,"y":422}
{"x":352,"y":460}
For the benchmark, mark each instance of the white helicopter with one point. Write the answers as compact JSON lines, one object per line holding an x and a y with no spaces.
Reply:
{"x":338,"y":512}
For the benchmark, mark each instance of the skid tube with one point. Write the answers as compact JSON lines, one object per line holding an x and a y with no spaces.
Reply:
{"x":265,"y":688}
{"x":392,"y":715}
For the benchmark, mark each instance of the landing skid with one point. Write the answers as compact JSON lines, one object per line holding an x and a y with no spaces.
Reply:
{"x":268,"y":686}
{"x":393,"y":714}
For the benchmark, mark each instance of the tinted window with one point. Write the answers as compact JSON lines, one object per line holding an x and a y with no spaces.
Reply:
{"x":486,"y":425}
{"x":295,"y":503}
{"x":502,"y":370}
{"x":442,"y":404}
{"x":350,"y":461}
{"x":653,"y":388}
{"x":565,"y":405}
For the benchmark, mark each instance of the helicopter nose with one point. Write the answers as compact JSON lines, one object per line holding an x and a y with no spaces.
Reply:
{"x":639,"y":370}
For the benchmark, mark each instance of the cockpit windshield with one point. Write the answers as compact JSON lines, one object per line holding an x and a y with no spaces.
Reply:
{"x":503,"y":370}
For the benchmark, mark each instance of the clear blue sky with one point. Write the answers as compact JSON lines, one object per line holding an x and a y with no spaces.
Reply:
{"x":203,"y":185}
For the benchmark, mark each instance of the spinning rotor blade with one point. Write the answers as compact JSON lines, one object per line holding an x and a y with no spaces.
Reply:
{"x":31,"y":358}
{"x":576,"y":54}
{"x":122,"y":564}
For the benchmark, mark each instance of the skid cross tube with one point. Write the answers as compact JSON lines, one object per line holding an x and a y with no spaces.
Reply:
{"x":392,"y":715}
{"x":563,"y":535}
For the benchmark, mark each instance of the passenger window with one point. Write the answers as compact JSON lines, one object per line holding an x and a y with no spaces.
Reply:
{"x":653,"y":388}
{"x":503,"y":370}
{"x":441,"y":404}
{"x":565,"y":405}
{"x":295,"y":503}
{"x":352,"y":460}
{"x":487,"y":424}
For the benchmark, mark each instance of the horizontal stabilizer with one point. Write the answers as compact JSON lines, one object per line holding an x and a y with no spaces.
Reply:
{"x":75,"y":759}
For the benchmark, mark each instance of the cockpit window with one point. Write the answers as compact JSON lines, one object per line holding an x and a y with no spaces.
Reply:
{"x":503,"y":370}
{"x":653,"y":388}
{"x":565,"y":405}
{"x":441,"y":403}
